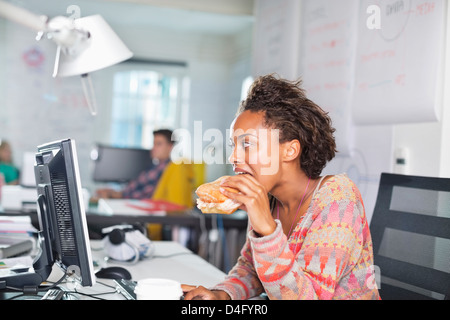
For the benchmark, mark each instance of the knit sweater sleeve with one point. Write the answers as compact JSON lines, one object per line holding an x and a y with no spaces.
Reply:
{"x":242,"y":281}
{"x":278,"y":270}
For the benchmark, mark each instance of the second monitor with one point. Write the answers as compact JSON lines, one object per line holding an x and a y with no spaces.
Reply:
{"x":114,"y":164}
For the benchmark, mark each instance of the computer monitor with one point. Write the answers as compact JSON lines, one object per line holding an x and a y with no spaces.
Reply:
{"x":120,"y":165}
{"x":63,"y":236}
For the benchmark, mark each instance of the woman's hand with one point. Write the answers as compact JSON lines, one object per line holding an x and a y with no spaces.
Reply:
{"x":254,"y":199}
{"x":201,"y":293}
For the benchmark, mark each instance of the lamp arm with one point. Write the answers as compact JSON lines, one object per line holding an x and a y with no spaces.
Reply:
{"x":23,"y":17}
{"x":89,"y":93}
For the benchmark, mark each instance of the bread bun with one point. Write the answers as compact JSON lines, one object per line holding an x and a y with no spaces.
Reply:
{"x":211,"y":200}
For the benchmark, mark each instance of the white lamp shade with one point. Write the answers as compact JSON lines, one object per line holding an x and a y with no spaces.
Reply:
{"x":104,"y":49}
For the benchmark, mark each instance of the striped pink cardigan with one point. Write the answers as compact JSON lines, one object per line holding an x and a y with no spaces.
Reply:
{"x":328,"y":256}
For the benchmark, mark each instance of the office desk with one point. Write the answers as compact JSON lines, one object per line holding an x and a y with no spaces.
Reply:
{"x":193,"y":219}
{"x":189,"y":218}
{"x":171,"y":261}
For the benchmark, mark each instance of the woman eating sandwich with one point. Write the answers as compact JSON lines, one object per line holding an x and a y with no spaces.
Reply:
{"x":308,"y":234}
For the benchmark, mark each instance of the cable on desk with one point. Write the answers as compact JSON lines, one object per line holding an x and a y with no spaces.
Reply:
{"x":93,"y":295}
{"x":19,"y":295}
{"x":173,"y":255}
{"x":105,"y":284}
{"x":34,"y":290}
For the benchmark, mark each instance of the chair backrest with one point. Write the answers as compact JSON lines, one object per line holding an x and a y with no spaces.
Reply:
{"x":410,"y":230}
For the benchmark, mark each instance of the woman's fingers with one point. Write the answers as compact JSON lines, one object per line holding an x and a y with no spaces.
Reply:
{"x":197,"y":293}
{"x":186,"y":288}
{"x":251,"y":192}
{"x":246,"y":184}
{"x":253,"y":197}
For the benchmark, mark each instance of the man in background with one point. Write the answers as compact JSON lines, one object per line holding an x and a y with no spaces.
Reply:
{"x":144,"y":186}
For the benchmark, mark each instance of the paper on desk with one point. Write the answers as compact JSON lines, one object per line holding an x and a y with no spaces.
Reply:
{"x":152,"y":206}
{"x":9,"y":265}
{"x":16,"y":224}
{"x":13,"y":263}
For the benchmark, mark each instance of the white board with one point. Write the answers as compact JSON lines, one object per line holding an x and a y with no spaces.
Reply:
{"x":277,"y":34}
{"x":327,"y":55}
{"x":397,"y":66}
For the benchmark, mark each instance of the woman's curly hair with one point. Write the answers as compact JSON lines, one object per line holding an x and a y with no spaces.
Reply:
{"x":287,"y":108}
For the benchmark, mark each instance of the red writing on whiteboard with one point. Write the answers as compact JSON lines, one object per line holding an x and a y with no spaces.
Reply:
{"x":425,"y":8}
{"x":73,"y":100}
{"x":335,"y":85}
{"x":377,"y":55}
{"x":313,"y":88}
{"x":363,"y":86}
{"x":327,"y":27}
{"x":335,"y":63}
{"x":327,"y":44}
{"x":400,"y":79}
{"x":327,"y":86}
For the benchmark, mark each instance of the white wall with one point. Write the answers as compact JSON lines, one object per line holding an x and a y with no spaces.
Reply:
{"x":423,"y":143}
{"x":445,"y":116}
{"x":429,"y":143}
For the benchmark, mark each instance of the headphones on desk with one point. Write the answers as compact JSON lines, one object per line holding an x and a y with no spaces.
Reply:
{"x":127,"y":243}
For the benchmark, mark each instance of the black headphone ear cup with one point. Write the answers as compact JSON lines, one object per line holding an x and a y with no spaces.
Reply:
{"x":139,"y":227}
{"x":117,"y":236}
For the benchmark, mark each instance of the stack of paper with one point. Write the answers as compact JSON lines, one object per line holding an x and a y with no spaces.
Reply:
{"x":133,"y":207}
{"x":16,"y":225}
{"x":16,"y":235}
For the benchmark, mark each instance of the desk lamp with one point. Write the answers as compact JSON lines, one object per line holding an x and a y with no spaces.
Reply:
{"x":84,"y":45}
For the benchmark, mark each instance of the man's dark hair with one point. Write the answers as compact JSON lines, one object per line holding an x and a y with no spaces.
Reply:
{"x":166,"y":133}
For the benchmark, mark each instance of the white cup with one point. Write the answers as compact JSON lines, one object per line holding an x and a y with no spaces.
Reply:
{"x":158,"y":289}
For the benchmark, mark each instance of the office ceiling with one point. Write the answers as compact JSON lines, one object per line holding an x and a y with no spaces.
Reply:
{"x":220,"y":17}
{"x":233,"y":7}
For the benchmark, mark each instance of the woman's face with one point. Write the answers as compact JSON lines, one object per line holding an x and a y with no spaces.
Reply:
{"x":5,"y":153}
{"x":256,"y":148}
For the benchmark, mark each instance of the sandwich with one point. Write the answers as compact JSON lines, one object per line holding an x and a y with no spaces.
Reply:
{"x":211,"y":200}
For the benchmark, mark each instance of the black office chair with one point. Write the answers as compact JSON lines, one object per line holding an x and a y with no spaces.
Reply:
{"x":410,"y":230}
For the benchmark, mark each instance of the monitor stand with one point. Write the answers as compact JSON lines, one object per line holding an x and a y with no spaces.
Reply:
{"x":29,"y":282}
{"x":21,"y":281}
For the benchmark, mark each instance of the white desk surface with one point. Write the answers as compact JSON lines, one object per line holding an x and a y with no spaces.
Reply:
{"x":171,"y":261}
